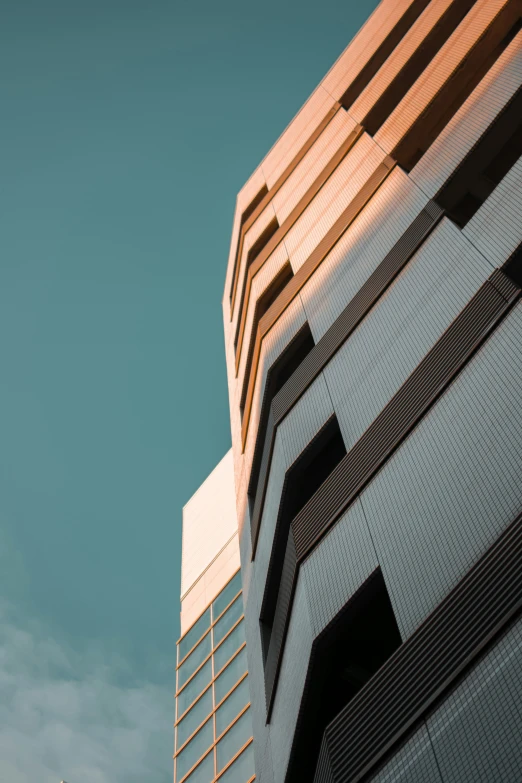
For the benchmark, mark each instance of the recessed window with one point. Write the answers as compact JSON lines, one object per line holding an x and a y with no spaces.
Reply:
{"x":485,"y":166}
{"x":261,"y":242}
{"x":302,"y":480}
{"x":353,"y":647}
{"x":278,"y":374}
{"x":266,"y":299}
{"x":459,"y":86}
{"x":254,"y":203}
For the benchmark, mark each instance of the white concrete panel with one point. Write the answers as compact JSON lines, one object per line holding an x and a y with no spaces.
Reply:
{"x":360,"y":250}
{"x":333,"y":198}
{"x":471,"y":121}
{"x":210,"y":583}
{"x":437,"y":72}
{"x":209,"y":522}
{"x":404,"y":324}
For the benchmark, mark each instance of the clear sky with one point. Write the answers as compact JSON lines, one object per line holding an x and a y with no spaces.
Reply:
{"x":127,"y":128}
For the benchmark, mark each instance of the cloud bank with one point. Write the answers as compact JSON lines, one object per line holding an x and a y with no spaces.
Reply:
{"x":68,"y":716}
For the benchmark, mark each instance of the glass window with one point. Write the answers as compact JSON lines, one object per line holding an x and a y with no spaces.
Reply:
{"x":232,"y":706}
{"x":229,"y":676}
{"x":234,"y":740}
{"x":195,"y":659}
{"x":226,"y":595}
{"x":226,"y":650}
{"x":242,"y":769}
{"x":231,"y":616}
{"x":191,"y":691}
{"x":192,"y":752}
{"x":186,"y":644}
{"x":194,"y":718}
{"x":204,"y":772}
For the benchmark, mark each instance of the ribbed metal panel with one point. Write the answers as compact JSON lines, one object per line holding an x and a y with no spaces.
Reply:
{"x":402,"y":412}
{"x":428,"y":663}
{"x":249,"y":221}
{"x":389,"y":429}
{"x":331,"y":341}
{"x":283,"y":230}
{"x":306,"y":271}
{"x":323,"y":772}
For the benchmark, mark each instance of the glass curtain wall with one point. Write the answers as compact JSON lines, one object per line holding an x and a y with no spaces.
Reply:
{"x":213,"y":731}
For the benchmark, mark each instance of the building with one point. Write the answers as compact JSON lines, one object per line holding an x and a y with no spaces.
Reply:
{"x":213,"y":729}
{"x":373,"y":329}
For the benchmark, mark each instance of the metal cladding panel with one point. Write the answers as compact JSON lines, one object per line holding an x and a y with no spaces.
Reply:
{"x":471,"y":121}
{"x":476,"y":733}
{"x":293,"y":436}
{"x":294,"y":667}
{"x":303,"y":176}
{"x":296,"y":135}
{"x":340,"y":330}
{"x":413,"y":39}
{"x":430,"y":662}
{"x":399,"y":416}
{"x":496,"y":229}
{"x":415,"y":762}
{"x":338,"y":567}
{"x":358,"y":252}
{"x":454,"y":484}
{"x":288,"y":296}
{"x":364,"y":45}
{"x":332,"y":200}
{"x":403,"y":326}
{"x":436,"y":74}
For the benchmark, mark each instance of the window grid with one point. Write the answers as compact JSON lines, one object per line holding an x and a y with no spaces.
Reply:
{"x":215,"y":704}
{"x":211,"y":653}
{"x":212,"y":623}
{"x":225,"y":768}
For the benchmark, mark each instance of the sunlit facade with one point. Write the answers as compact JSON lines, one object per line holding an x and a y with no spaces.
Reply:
{"x":373,"y":332}
{"x":213,"y":728}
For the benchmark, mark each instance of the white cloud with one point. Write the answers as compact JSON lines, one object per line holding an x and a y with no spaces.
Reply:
{"x":67,"y":716}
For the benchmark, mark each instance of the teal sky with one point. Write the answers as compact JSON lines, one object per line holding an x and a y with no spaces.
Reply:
{"x":127,"y":129}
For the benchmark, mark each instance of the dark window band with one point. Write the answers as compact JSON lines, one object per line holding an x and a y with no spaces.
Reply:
{"x":395,"y":422}
{"x":328,"y":345}
{"x":427,"y":665}
{"x":304,"y":273}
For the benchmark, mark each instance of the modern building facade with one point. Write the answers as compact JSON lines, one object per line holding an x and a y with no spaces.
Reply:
{"x":213,"y":728}
{"x":373,"y":330}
